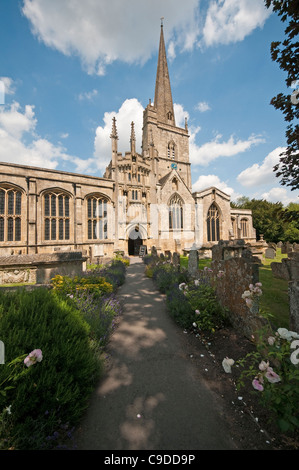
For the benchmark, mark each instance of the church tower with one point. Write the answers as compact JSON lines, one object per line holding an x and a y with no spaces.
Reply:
{"x":159,"y":128}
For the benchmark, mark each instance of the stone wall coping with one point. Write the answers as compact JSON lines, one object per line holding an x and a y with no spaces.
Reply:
{"x":36,"y":259}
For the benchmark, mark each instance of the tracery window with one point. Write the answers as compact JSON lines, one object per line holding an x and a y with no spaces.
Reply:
{"x":97,"y":218}
{"x":10,"y":215}
{"x":213,"y":224}
{"x":176,"y":213}
{"x":56,"y":216}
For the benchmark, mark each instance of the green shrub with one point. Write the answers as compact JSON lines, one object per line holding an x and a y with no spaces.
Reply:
{"x":96,"y":285}
{"x":55,"y":391}
{"x":179,"y":308}
{"x":210,"y":315}
{"x":273,"y":371}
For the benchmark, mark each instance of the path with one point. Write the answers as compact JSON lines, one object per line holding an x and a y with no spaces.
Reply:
{"x":152,"y":397}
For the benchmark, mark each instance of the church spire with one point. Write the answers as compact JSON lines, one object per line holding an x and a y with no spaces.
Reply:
{"x":163,"y":97}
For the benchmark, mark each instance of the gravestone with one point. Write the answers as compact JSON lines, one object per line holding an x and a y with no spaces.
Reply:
{"x":176,"y":260}
{"x":154,"y":251}
{"x":270,"y":253}
{"x":193,"y":263}
{"x":294,"y":305}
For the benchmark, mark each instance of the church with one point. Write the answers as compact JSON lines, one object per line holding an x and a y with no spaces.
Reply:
{"x":143,"y":199}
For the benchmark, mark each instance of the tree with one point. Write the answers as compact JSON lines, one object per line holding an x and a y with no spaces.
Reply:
{"x":273,"y":220}
{"x":286,"y":54}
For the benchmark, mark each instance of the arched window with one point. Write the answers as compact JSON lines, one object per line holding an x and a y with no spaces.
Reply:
{"x":213,"y":224}
{"x":234,"y":227}
{"x":56,"y":216}
{"x":176,"y":213}
{"x":244,"y":228}
{"x":97,"y":218}
{"x":10,"y":215}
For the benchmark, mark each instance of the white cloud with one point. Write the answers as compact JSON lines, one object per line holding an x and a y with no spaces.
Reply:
{"x":207,"y":181}
{"x":229,"y":21}
{"x":87,"y":95}
{"x":203,"y":106}
{"x":211,"y":150}
{"x":279,"y":194}
{"x":16,"y":123}
{"x":100,"y":32}
{"x":9,"y":85}
{"x":130,"y":111}
{"x":180,"y":115}
{"x":261,"y":174}
{"x":18,"y":126}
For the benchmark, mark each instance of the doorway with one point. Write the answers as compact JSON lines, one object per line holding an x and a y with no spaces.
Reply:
{"x":134,"y":242}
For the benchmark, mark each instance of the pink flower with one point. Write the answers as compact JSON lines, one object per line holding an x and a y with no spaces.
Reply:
{"x":35,"y":356}
{"x":257,"y":385}
{"x":272,"y":376}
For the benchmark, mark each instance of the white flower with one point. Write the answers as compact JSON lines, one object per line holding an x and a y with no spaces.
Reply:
{"x":226,"y":364}
{"x":196,"y":282}
{"x":197,"y":312}
{"x":286,"y":334}
{"x":194,"y":324}
{"x":271,"y":340}
{"x":246,"y":294}
{"x":263,"y":365}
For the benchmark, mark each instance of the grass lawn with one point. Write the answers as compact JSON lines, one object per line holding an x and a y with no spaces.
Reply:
{"x":275,"y":300}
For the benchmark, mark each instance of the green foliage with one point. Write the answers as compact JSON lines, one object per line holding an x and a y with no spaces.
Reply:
{"x":274,"y":372}
{"x":56,"y":390}
{"x":96,"y":285}
{"x":285,"y":53}
{"x":211,"y":315}
{"x":189,"y":302}
{"x":272,"y":220}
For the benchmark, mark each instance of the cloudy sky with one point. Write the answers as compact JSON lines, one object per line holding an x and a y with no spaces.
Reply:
{"x":68,"y":67}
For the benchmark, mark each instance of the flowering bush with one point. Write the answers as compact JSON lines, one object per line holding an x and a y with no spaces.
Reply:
{"x":95,"y":285}
{"x":51,"y":385}
{"x":252,"y":296}
{"x":191,"y":302}
{"x":14,"y":372}
{"x":100,"y":315}
{"x":274,"y":372}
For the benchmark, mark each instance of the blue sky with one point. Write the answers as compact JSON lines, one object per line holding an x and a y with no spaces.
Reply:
{"x":70,"y":66}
